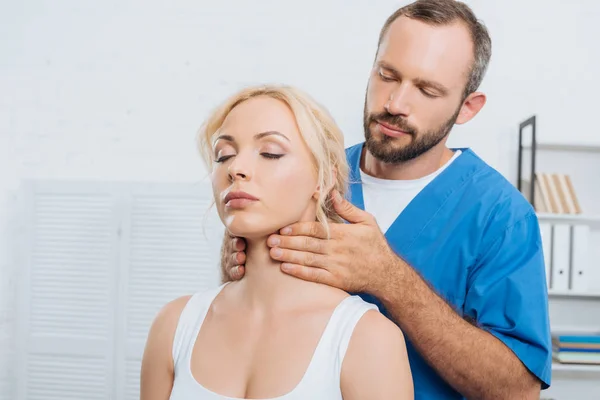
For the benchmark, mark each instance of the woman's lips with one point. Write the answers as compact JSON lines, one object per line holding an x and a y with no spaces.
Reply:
{"x":239,"y":203}
{"x":238,"y":199}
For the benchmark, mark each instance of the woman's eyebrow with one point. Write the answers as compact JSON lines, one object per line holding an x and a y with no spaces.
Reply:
{"x":228,"y":138}
{"x":268,"y":133}
{"x":258,"y":136}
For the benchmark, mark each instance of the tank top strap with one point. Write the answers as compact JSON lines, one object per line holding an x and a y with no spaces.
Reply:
{"x":190,"y":322}
{"x":334,"y":342}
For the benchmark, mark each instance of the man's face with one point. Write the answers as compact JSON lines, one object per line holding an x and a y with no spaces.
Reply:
{"x":416,"y":88}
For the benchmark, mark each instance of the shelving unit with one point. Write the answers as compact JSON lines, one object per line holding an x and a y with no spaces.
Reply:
{"x":592,"y":147}
{"x":570,"y":218}
{"x":569,"y":311}
{"x":574,"y":295}
{"x":588,"y":369}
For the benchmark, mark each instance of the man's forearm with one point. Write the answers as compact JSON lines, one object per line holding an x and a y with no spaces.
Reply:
{"x":473,"y":361}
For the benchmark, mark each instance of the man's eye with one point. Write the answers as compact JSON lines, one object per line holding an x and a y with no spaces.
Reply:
{"x":428,"y":94}
{"x":385,"y":77}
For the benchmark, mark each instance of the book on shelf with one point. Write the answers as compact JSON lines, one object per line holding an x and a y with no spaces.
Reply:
{"x":555,"y":194}
{"x":569,"y":348}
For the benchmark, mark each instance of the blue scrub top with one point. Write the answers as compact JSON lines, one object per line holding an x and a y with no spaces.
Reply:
{"x":476,"y":240}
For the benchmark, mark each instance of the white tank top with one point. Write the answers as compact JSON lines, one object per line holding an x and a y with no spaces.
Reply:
{"x":322,"y":377}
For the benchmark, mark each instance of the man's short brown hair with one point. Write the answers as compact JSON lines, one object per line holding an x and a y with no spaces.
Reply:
{"x":445,"y":12}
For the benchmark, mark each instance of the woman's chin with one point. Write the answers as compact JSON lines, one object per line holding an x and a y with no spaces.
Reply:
{"x":255,"y":229}
{"x":249,"y":233}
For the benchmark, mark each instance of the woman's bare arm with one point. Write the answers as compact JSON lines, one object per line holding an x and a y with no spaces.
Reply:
{"x":156,"y":379}
{"x":376,"y":363}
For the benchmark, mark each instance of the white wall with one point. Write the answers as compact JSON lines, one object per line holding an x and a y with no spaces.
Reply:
{"x":115,"y":90}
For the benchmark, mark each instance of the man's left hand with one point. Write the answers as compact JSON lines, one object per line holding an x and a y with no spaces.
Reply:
{"x":356,"y":257}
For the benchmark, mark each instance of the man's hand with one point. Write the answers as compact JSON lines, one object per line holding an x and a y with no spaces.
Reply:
{"x":233,"y":258}
{"x":355,"y":258}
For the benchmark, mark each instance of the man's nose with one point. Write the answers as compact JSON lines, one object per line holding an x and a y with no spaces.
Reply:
{"x":399,"y":101}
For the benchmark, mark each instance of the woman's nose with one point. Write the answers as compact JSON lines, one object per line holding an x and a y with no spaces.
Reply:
{"x":238,"y":170}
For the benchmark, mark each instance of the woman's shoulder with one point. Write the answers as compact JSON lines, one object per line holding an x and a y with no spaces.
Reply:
{"x":159,"y":343}
{"x":171,"y":313}
{"x":376,"y":326}
{"x":167,"y":318}
{"x":376,"y":363}
{"x":373,"y":332}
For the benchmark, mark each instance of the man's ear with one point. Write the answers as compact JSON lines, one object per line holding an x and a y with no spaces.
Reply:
{"x":471,"y":106}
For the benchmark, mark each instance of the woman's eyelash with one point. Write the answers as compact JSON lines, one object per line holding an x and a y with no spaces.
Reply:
{"x":223,"y":158}
{"x":271,"y":155}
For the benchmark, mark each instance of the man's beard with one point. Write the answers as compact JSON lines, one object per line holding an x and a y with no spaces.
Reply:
{"x":385,"y":148}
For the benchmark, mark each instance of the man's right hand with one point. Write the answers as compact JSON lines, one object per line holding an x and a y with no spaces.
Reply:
{"x":234,"y":258}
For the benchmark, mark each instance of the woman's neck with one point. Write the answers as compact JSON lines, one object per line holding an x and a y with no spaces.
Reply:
{"x":264,"y":285}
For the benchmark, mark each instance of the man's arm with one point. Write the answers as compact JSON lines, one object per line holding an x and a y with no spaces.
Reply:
{"x":473,"y":361}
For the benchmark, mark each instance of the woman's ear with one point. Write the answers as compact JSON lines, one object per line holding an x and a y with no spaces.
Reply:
{"x":318,"y":192}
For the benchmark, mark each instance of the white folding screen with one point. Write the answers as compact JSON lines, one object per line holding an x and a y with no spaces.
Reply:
{"x":172,"y":244}
{"x":99,"y":262}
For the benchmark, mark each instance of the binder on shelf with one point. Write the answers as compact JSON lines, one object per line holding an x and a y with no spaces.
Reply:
{"x":580,"y":240}
{"x":554,"y":193}
{"x":568,"y":188}
{"x":541,"y":197}
{"x":560,"y":193}
{"x":561,"y":256}
{"x":547,"y":198}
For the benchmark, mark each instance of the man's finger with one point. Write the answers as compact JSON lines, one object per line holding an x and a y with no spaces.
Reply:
{"x":238,"y":258}
{"x":239,"y":244}
{"x":299,"y":257}
{"x":313,"y":229}
{"x":348,"y":211}
{"x":301,"y":243}
{"x":317,"y":275}
{"x":237,"y":272}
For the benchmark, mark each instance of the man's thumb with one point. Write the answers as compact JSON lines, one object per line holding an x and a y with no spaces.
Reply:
{"x":347,"y":210}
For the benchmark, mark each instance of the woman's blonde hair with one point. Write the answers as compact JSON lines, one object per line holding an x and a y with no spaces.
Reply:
{"x":317,"y":127}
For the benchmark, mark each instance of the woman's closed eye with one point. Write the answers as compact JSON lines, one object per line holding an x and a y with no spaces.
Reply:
{"x":224,"y":158}
{"x":268,"y":156}
{"x":271,"y":156}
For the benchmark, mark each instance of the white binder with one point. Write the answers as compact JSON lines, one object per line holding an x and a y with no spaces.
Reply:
{"x":561,"y":256}
{"x":580,"y":240}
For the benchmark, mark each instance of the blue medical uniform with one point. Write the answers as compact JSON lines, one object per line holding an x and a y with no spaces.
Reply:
{"x":476,"y":240}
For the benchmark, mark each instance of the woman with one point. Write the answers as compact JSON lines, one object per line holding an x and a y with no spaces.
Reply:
{"x":274,"y":155}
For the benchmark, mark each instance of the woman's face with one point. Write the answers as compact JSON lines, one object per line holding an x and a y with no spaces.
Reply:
{"x":263,"y":176}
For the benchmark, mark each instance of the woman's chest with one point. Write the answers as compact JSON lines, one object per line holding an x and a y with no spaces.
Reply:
{"x":247,"y":357}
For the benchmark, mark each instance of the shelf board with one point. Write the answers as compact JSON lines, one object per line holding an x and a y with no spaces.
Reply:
{"x":574,"y":295}
{"x":575,"y":371}
{"x":592,"y":147}
{"x":575,"y":367}
{"x":569,"y":218}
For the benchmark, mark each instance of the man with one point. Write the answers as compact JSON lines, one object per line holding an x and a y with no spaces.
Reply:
{"x":460,"y":268}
